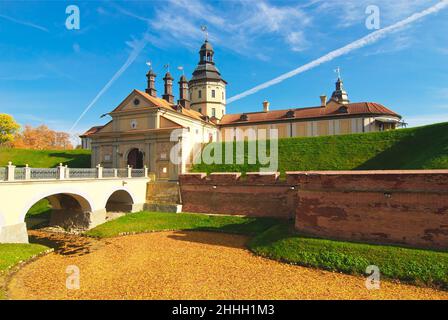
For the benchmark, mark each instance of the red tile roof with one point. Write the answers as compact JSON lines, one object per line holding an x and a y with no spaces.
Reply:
{"x":331,"y":110}
{"x":91,"y":131}
{"x":159,"y":102}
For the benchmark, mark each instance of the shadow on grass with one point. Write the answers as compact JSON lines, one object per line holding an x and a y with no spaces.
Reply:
{"x":246,"y":231}
{"x":63,"y":243}
{"x":73,"y":160}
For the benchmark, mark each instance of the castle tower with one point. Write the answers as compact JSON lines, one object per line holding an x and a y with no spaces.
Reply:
{"x":207,"y":88}
{"x":184,"y":101}
{"x":168,"y":92}
{"x":151,"y":89}
{"x":340,"y":95}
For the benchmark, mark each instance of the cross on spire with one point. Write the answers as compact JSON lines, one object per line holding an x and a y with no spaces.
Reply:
{"x":338,"y":72}
{"x":204,"y":29}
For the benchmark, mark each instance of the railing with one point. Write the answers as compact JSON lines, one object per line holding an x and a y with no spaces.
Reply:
{"x":138,"y":173}
{"x":79,"y":173}
{"x":43,"y":173}
{"x":109,"y":173}
{"x":19,"y":173}
{"x":12,"y":173}
{"x":122,"y":173}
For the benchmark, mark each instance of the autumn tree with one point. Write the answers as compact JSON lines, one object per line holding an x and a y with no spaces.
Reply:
{"x":8,"y":128}
{"x":41,"y":138}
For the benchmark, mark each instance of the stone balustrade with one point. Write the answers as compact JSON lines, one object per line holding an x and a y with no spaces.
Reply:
{"x":12,"y":173}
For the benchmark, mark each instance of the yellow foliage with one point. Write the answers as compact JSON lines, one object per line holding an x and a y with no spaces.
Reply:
{"x":42,"y":138}
{"x":8,"y":128}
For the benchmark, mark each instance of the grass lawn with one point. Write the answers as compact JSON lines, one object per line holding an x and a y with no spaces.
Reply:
{"x":45,"y":158}
{"x":156,"y":221}
{"x":277,"y":240}
{"x":397,"y":149}
{"x":11,"y":254}
{"x":421,"y":267}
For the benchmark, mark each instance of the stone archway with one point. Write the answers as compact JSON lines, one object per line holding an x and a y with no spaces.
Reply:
{"x":67,"y":210}
{"x":135,"y":158}
{"x":119,"y":201}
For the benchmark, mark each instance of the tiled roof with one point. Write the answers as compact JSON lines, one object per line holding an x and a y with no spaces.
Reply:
{"x":331,"y":110}
{"x":159,"y":102}
{"x":91,"y":131}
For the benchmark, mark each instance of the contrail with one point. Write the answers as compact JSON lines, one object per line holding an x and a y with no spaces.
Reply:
{"x":134,"y":54}
{"x":25,"y":23}
{"x":369,"y":39}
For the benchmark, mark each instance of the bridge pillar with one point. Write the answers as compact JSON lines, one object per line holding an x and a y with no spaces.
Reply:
{"x":15,"y":233}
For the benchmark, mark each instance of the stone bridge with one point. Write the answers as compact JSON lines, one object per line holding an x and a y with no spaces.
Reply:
{"x":80,"y":198}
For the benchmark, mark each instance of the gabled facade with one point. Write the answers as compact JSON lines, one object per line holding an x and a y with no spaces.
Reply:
{"x":139,"y":134}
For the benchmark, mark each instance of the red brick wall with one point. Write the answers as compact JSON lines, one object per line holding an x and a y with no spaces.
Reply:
{"x":396,"y":207}
{"x":260,"y":195}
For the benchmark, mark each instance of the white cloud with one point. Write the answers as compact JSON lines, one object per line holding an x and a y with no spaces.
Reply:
{"x":238,"y":27}
{"x":297,"y":41}
{"x":351,"y":12}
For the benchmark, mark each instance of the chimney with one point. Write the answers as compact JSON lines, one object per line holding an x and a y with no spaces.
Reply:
{"x":168,"y":94}
{"x":183,"y":92}
{"x":151,"y":89}
{"x":323,"y":101}
{"x":265,"y":106}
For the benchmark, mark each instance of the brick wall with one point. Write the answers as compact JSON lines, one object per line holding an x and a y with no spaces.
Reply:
{"x":398,"y":207}
{"x":395,"y":207}
{"x":260,"y":195}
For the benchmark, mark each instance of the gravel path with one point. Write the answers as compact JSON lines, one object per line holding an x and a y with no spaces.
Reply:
{"x":189,"y":265}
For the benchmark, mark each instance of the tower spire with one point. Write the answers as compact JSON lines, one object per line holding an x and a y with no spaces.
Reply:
{"x":151,"y":79}
{"x":340,"y":95}
{"x":168,"y":92}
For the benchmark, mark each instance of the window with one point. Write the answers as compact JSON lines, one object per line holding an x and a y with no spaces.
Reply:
{"x":213,"y":112}
{"x":213,"y":94}
{"x":223,"y":95}
{"x":133,"y":124}
{"x":199,"y":94}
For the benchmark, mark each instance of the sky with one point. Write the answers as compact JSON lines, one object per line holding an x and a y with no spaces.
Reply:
{"x":67,"y":78}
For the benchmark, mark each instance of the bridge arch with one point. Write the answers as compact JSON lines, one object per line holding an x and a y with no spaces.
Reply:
{"x":119,"y":199}
{"x":54,"y":197}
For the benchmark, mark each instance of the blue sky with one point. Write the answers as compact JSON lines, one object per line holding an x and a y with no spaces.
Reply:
{"x":49,"y":74}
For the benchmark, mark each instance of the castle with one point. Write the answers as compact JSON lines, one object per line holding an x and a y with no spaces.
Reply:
{"x":139,"y":132}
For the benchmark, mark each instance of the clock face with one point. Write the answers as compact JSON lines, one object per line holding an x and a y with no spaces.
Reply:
{"x":136,"y":102}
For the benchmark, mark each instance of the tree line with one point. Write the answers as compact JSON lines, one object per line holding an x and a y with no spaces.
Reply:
{"x":38,"y":138}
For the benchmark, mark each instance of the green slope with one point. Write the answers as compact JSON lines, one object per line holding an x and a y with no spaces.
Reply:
{"x":45,"y":158}
{"x":414,"y":148}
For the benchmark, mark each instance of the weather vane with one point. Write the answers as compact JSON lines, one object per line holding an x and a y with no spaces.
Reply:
{"x":167,"y":67}
{"x":338,"y":72}
{"x":148,"y":63}
{"x":204,"y":29}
